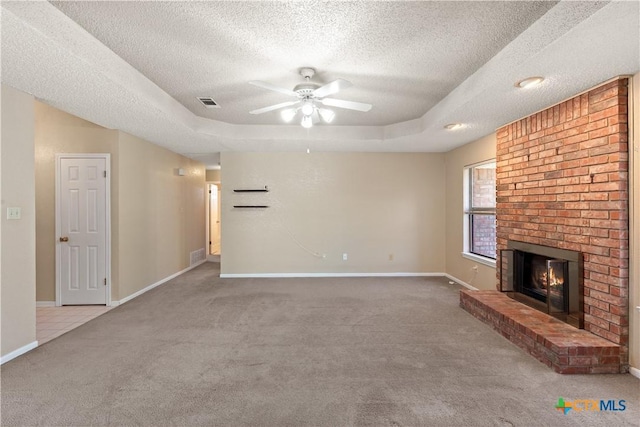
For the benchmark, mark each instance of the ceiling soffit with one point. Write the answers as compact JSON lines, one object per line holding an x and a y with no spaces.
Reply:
{"x":48,"y":55}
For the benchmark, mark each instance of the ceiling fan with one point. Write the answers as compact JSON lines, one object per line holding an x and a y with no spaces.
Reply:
{"x":309,"y":95}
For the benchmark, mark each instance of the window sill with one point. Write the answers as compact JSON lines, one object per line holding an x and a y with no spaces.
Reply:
{"x":480,"y":259}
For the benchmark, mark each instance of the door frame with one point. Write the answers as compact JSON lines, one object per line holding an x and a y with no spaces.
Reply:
{"x":214,"y":258}
{"x":107,"y":158}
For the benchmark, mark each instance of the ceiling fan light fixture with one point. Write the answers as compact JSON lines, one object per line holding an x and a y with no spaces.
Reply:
{"x":306,"y":122}
{"x":310,"y":97}
{"x":288,"y":114}
{"x":327,"y":115}
{"x":307,"y":108}
{"x":529,"y":82}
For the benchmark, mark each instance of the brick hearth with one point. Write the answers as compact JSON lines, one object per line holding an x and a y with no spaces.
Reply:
{"x":558,"y":345}
{"x":562,"y":182}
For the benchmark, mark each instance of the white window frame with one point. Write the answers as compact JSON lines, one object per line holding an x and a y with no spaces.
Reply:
{"x":467,"y":211}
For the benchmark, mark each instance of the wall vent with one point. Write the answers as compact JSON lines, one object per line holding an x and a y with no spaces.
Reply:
{"x":197,"y":256}
{"x":208,"y":102}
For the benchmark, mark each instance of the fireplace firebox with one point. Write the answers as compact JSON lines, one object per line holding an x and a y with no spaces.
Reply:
{"x":545,"y":278}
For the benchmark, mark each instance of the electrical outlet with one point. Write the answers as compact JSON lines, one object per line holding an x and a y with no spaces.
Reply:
{"x":14,"y":213}
{"x":345,"y":256}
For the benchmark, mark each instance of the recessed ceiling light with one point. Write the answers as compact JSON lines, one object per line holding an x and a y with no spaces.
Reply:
{"x":529,"y":82}
{"x":453,"y":126}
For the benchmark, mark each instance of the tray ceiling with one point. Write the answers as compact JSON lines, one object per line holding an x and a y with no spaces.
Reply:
{"x":139,"y":66}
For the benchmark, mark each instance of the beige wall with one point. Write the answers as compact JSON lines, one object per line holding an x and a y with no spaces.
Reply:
{"x":18,"y":252}
{"x":456,"y":265}
{"x":157,"y":217}
{"x":60,"y":132}
{"x":213,"y":175}
{"x":368,"y":205}
{"x":162,"y":215}
{"x":634,"y":263}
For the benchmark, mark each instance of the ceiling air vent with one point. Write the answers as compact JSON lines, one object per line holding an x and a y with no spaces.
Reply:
{"x":208,"y":102}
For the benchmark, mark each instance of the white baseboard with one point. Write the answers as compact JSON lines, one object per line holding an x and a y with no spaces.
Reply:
{"x":286,"y":275}
{"x":45,"y":303}
{"x":460,"y":282}
{"x":634,"y":371}
{"x":15,"y":353}
{"x":156,"y":284}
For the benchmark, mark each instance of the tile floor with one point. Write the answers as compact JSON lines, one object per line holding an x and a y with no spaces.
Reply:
{"x":51,"y":322}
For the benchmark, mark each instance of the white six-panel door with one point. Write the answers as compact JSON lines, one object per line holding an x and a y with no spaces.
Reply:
{"x":82,"y":225}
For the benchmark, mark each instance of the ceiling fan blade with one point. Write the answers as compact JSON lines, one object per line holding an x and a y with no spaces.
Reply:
{"x":349,"y":105}
{"x":273,"y":107}
{"x":331,"y":88}
{"x":274,"y":88}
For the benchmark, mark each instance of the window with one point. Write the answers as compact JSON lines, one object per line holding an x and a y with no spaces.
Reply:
{"x":480,"y":211}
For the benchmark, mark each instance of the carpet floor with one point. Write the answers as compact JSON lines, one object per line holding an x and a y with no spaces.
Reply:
{"x":200,"y":350}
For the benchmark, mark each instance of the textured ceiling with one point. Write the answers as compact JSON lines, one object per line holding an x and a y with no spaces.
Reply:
{"x":138,"y":66}
{"x":402,"y":57}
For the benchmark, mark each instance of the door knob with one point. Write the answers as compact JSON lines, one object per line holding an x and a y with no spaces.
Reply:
{"x":64,"y":239}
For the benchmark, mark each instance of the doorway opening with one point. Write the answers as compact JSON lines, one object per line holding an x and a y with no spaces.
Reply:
{"x":213,"y":222}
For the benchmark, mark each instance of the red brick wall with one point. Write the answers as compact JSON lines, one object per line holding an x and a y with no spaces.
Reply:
{"x":562,"y":181}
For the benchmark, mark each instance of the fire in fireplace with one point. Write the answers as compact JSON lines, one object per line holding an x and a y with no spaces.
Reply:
{"x":548,"y":279}
{"x":544,"y":278}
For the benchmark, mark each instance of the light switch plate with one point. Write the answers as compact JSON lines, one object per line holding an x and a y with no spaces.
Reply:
{"x":14,"y":213}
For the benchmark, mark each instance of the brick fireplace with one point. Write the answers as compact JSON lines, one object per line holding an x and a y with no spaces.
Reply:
{"x":562,"y":182}
{"x":547,"y":279}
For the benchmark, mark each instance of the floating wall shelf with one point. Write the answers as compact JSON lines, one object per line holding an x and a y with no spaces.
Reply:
{"x":252,"y":190}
